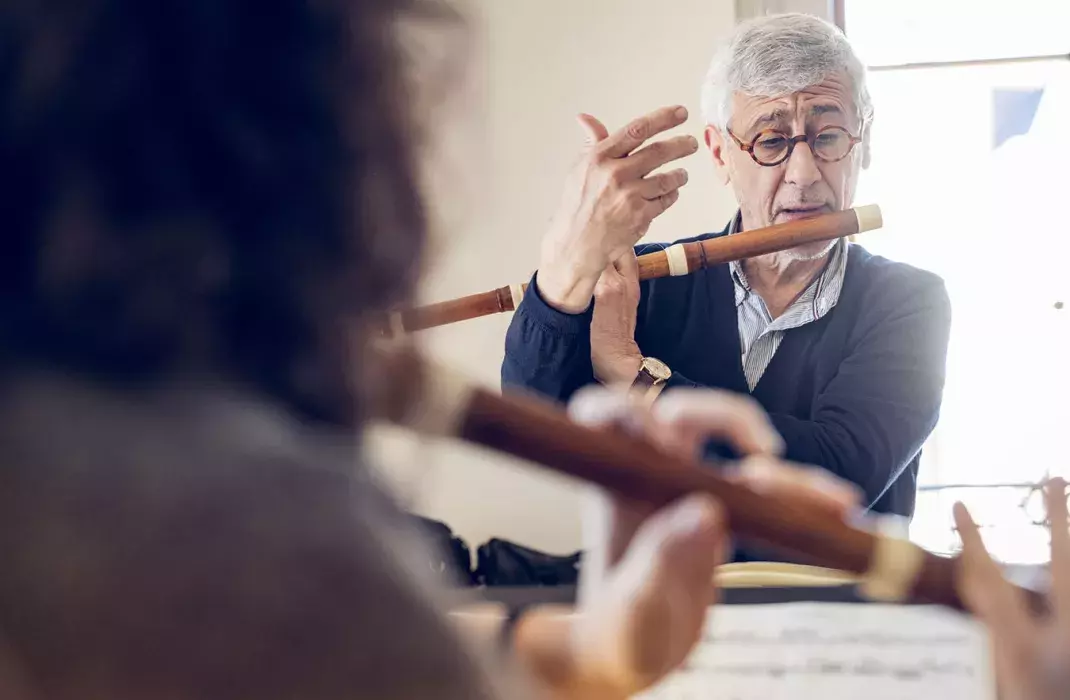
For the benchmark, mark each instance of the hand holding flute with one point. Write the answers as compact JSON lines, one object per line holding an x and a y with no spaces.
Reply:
{"x":645,"y":583}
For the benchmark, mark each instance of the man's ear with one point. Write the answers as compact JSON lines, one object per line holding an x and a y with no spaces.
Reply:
{"x":867,"y":154}
{"x":716,"y":143}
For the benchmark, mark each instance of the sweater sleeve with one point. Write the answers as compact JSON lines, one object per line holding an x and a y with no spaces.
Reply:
{"x":873,"y":417}
{"x":679,"y":381}
{"x":547,"y":352}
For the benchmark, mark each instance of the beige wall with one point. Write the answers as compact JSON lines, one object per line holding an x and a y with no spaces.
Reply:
{"x":753,"y":8}
{"x":539,"y":62}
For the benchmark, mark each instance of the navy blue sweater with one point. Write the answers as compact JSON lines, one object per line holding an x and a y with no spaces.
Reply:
{"x":856,"y":392}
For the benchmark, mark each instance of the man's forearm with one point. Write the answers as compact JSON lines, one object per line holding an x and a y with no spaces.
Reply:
{"x":566,"y":289}
{"x":547,"y":352}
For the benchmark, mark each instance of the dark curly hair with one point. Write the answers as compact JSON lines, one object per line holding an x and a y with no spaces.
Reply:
{"x":222,"y":190}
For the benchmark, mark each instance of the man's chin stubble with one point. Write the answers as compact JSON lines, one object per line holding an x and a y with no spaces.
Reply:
{"x":807,"y":253}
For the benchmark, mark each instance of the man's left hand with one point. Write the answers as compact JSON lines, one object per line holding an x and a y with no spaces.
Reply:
{"x":615,"y":355}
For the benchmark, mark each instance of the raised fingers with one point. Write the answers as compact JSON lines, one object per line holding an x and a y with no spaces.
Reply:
{"x":655,"y":186}
{"x":657,"y":207}
{"x":649,"y":158}
{"x":1055,"y":497}
{"x":636,"y":132}
{"x":986,"y":591}
{"x":688,"y":417}
{"x":594,"y":130}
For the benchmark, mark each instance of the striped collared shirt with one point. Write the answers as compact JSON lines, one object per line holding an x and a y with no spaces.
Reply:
{"x":759,"y":334}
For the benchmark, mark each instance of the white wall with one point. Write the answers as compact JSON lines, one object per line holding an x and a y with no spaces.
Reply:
{"x":538,"y":63}
{"x":751,"y":8}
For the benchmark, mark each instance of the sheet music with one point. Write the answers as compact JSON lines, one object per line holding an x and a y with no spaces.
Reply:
{"x":834,"y":651}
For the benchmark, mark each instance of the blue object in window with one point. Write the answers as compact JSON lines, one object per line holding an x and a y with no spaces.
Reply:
{"x":1013,"y":111}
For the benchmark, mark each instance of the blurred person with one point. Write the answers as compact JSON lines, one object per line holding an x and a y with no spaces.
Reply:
{"x":206,"y":204}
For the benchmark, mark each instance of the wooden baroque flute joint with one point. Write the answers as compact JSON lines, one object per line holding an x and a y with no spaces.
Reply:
{"x":501,"y":295}
{"x":894,"y":567}
{"x":676,"y":256}
{"x":516,"y":291}
{"x":509,"y":298}
{"x":869,"y":217}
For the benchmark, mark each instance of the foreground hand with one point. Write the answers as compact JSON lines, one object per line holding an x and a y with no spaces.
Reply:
{"x":615,"y":356}
{"x":647,"y":576}
{"x":1032,"y":655}
{"x":609,"y":201}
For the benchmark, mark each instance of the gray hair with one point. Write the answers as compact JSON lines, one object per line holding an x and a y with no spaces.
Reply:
{"x":778,"y":55}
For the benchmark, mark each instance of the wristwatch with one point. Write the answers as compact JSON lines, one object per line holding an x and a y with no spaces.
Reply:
{"x":653,"y":373}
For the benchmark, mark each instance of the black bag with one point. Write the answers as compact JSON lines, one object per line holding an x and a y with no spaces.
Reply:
{"x":451,"y":561}
{"x":502,"y":563}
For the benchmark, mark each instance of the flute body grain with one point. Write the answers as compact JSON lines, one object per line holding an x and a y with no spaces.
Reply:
{"x":675,"y":260}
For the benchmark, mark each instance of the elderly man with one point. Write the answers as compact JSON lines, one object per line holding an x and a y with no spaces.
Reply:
{"x":845,"y":350}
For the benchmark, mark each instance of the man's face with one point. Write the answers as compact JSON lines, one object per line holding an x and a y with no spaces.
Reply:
{"x":803,"y":185}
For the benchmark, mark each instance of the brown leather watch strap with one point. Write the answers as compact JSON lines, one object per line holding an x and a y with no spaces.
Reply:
{"x":651,"y":378}
{"x":644,"y":379}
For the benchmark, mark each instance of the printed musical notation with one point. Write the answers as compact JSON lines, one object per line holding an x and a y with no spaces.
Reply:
{"x":810,"y":636}
{"x":828,"y":651}
{"x":819,"y":665}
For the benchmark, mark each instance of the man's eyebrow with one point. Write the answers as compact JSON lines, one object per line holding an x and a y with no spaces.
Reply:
{"x":774,"y":118}
{"x":780,"y":116}
{"x":818,"y":110}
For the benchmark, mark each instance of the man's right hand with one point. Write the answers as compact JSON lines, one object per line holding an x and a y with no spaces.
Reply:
{"x":609,"y":201}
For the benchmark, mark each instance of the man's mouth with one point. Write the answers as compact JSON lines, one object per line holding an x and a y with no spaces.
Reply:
{"x":801,"y":212}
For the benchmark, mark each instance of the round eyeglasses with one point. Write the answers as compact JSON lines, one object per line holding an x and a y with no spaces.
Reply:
{"x":771,"y":147}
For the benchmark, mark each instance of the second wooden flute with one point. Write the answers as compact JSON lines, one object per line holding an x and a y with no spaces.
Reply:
{"x":434,"y":401}
{"x":677,"y":259}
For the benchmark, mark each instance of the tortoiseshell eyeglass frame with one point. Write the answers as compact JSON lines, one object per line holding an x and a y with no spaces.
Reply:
{"x":793,"y":141}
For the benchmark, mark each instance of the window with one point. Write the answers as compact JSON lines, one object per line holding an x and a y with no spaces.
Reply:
{"x":970,"y":162}
{"x":923,"y":31}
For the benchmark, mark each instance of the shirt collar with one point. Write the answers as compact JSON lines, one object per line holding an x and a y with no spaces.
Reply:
{"x":739,"y":279}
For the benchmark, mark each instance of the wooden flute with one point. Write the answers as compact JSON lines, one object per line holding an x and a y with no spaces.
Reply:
{"x":677,"y":259}
{"x":434,"y":401}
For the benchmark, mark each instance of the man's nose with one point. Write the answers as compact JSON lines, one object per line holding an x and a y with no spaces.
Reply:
{"x":802,"y":169}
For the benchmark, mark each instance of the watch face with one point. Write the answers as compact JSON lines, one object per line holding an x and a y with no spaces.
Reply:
{"x":657,"y":369}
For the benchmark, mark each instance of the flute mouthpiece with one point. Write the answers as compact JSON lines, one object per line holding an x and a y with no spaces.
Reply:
{"x":869,"y":217}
